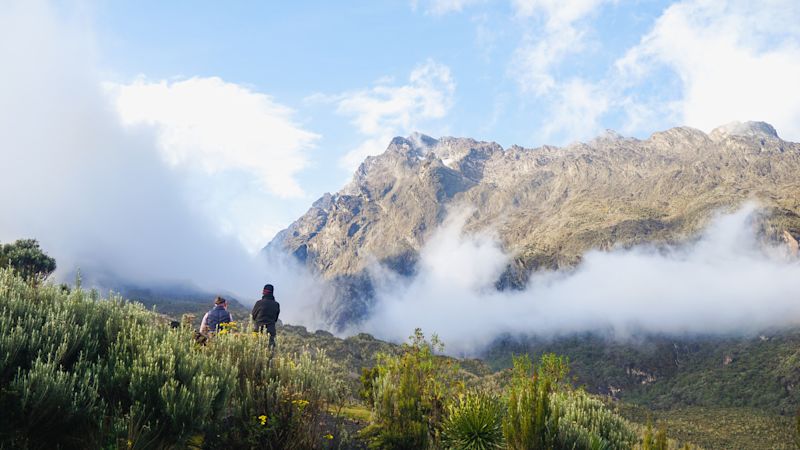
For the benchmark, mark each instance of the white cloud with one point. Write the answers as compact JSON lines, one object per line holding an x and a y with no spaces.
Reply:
{"x":555,"y":33}
{"x":723,"y":283}
{"x":386,"y":110}
{"x":441,"y":7}
{"x":557,"y":13}
{"x":576,"y":111}
{"x":736,"y":60}
{"x":220,"y":126}
{"x":96,"y":194}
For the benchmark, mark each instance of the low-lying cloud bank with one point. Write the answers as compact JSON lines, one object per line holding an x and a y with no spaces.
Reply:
{"x":725,"y":282}
{"x":97,"y":195}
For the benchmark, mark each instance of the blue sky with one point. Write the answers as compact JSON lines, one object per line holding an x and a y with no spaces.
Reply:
{"x":258,"y":108}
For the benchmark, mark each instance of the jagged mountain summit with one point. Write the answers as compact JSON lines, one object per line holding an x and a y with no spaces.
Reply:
{"x":548,"y":205}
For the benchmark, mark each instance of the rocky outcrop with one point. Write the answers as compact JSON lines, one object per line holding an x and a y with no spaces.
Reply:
{"x":548,"y":205}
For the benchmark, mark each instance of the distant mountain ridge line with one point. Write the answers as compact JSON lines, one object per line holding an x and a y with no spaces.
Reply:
{"x":548,"y":205}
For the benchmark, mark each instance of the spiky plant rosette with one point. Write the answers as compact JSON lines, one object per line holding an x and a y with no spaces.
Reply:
{"x":474,"y":422}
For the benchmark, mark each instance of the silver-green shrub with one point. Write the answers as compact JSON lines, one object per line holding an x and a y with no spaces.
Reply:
{"x":544,"y":412}
{"x":276,"y":401}
{"x":80,"y":372}
{"x":585,"y":422}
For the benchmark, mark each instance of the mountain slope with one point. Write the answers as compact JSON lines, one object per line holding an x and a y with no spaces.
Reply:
{"x":548,"y":205}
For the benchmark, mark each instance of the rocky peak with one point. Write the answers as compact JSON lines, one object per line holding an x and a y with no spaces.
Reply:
{"x":402,"y":158}
{"x":679,"y":137}
{"x":324,"y":202}
{"x":422,"y":141}
{"x":549,"y":205}
{"x":406,"y":147}
{"x":745,"y":129}
{"x":608,"y":137}
{"x":466,"y":156}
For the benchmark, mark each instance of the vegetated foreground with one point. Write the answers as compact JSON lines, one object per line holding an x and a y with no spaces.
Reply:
{"x":83,"y":372}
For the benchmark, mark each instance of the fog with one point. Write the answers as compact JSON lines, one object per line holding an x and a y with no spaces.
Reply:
{"x":724,"y":282}
{"x":96,"y":195}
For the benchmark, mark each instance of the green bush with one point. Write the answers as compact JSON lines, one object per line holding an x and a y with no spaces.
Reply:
{"x":27,"y":259}
{"x":527,"y":421}
{"x":584,"y":422}
{"x":46,"y":401}
{"x":277,"y":402}
{"x":78,"y":372}
{"x":410,"y":394}
{"x":475,"y":422}
{"x":544,"y":412}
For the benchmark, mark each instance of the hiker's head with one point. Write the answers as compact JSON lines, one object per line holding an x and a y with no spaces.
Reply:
{"x":268,"y":290}
{"x":219,"y":301}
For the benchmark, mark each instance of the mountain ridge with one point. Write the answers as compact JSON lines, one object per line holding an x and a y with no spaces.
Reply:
{"x":548,"y":205}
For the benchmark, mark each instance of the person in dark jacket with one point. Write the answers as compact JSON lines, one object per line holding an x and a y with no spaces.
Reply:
{"x":266,"y":312}
{"x":216,"y":317}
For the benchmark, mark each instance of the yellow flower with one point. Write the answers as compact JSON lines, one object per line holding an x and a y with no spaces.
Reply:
{"x":223,"y":331}
{"x":328,"y":436}
{"x":263,"y":419}
{"x":300,"y":403}
{"x":229,"y":326}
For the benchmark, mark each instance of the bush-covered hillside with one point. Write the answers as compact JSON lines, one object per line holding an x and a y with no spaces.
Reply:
{"x":78,"y":371}
{"x":757,"y":372}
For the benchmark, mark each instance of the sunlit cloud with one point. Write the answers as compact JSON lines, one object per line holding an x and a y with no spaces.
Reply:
{"x":734,"y":60}
{"x":219,"y":126}
{"x":726,"y":282}
{"x":441,"y":7}
{"x":387,"y":110}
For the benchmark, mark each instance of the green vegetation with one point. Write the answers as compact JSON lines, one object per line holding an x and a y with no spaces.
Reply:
{"x":717,"y":428}
{"x":409,"y":396}
{"x":80,"y":372}
{"x":544,"y":412}
{"x":668,"y":373}
{"x":716,"y":392}
{"x":474,"y":422}
{"x":412,"y":396}
{"x":27,"y":259}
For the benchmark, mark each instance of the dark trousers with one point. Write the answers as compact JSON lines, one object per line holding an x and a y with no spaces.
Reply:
{"x":269,"y":328}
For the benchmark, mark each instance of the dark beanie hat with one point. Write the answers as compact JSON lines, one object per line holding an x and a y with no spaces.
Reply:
{"x":268,"y":289}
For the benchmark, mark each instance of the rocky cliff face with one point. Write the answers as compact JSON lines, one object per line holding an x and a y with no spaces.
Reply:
{"x":548,"y":205}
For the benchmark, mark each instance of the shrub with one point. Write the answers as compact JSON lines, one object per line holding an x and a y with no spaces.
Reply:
{"x":78,"y":372}
{"x":585,"y":422}
{"x":410,"y":394}
{"x":45,"y":402}
{"x":544,"y":412}
{"x":367,"y":378}
{"x":27,"y":259}
{"x":526,"y":424}
{"x":277,"y":401}
{"x":475,"y":422}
